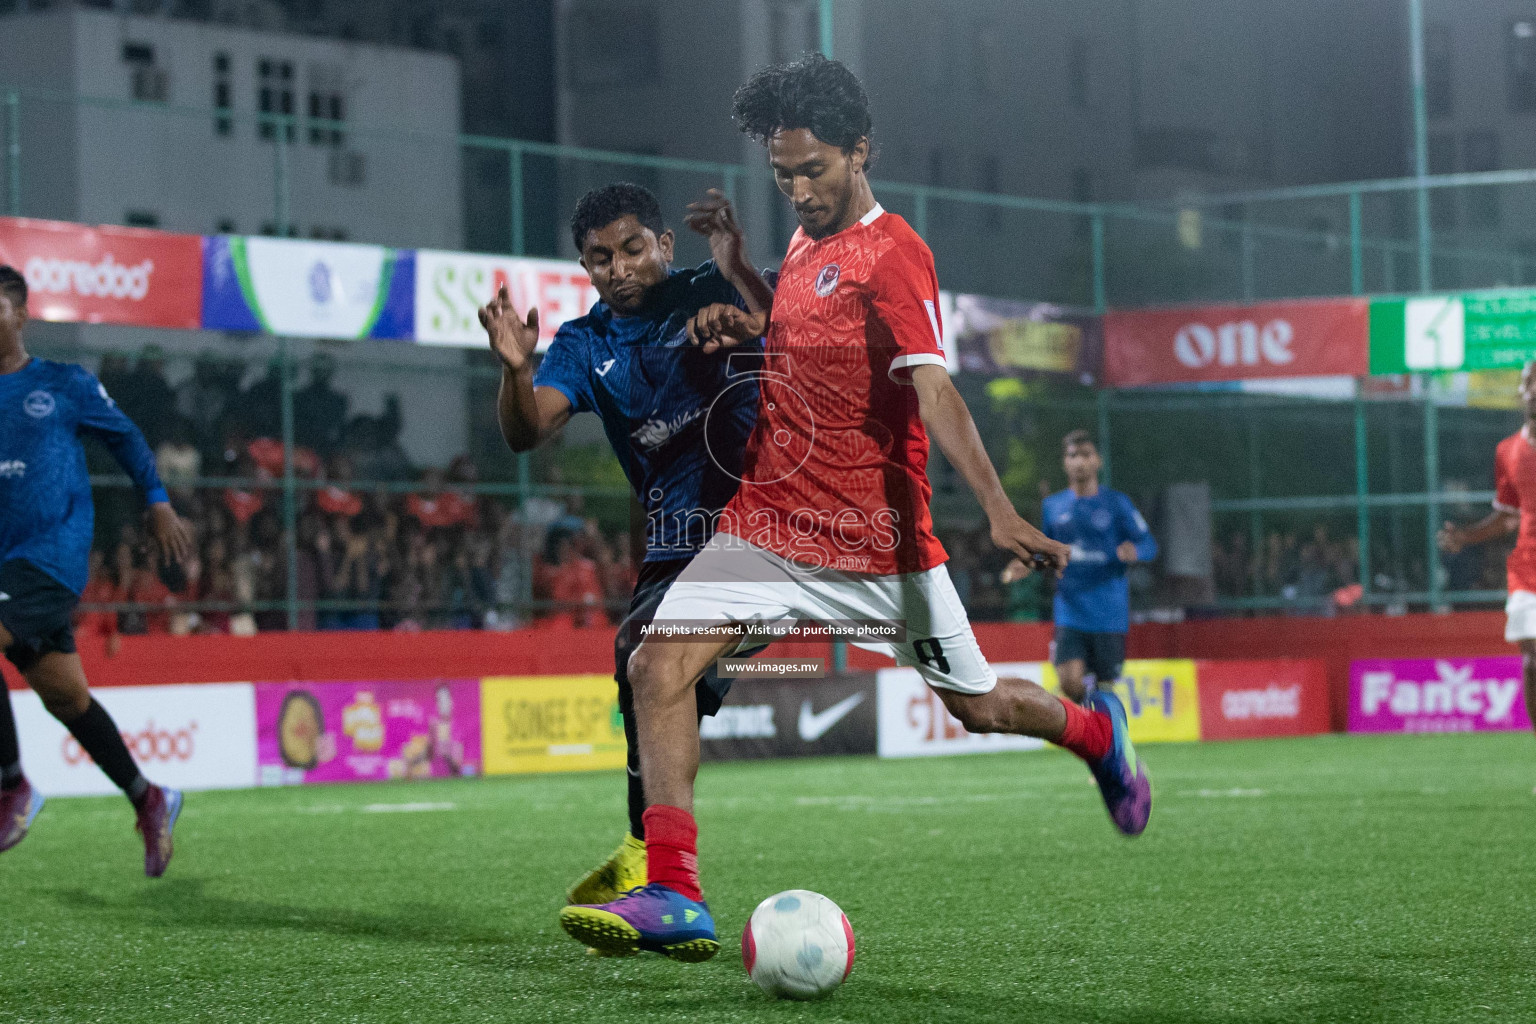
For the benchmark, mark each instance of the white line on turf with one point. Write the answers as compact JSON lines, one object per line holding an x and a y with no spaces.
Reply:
{"x":1220,"y":793}
{"x":406,"y":808}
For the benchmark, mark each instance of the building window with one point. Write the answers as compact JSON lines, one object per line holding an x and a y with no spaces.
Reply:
{"x":1442,"y":201}
{"x":147,"y":82}
{"x":329,"y":109}
{"x":274,"y":96}
{"x":223,"y":96}
{"x":1480,"y":152}
{"x":613,"y":44}
{"x":1439,"y":70}
{"x":1077,"y":73}
{"x":1520,"y":56}
{"x":141,"y":219}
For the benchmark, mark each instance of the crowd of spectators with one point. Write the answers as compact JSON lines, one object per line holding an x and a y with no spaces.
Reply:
{"x":440,"y":555}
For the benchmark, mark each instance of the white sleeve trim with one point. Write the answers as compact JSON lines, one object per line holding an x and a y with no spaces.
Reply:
{"x":915,"y":359}
{"x":873,"y":215}
{"x":1505,"y":508}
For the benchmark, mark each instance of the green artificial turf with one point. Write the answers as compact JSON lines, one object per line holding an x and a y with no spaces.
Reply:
{"x":1326,"y":879}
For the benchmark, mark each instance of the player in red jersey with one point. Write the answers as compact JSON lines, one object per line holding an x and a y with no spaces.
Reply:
{"x":1514,"y":509}
{"x":831,"y":521}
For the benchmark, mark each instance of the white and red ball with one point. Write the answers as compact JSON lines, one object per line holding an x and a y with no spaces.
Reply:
{"x":798,"y":945}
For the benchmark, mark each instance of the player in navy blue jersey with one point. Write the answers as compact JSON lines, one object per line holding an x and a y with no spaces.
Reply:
{"x":677,"y":418}
{"x":46,"y":521}
{"x":1107,"y":534}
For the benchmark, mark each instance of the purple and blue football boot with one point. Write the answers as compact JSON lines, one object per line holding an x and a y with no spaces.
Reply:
{"x":651,"y":917}
{"x":18,"y":808}
{"x":1122,"y":778}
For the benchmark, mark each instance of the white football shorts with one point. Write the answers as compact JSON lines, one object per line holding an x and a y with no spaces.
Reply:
{"x":736,"y":582}
{"x":1521,"y":609}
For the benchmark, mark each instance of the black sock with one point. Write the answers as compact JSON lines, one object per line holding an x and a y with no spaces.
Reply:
{"x":99,"y":737}
{"x":632,"y":766}
{"x":10,"y":747}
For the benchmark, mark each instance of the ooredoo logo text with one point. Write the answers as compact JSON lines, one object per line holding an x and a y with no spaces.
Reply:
{"x":152,"y":744}
{"x":107,"y":279}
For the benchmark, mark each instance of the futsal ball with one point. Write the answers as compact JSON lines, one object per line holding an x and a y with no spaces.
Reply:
{"x":798,"y":945}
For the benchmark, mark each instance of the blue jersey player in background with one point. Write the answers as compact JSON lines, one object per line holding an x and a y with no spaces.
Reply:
{"x":46,"y":521}
{"x":677,"y":418}
{"x":1093,"y":606}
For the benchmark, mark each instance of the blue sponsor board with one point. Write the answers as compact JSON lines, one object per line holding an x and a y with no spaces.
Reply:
{"x":308,"y":289}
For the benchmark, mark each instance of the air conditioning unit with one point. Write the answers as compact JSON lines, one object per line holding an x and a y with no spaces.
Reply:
{"x":347,"y":168}
{"x":150,"y":84}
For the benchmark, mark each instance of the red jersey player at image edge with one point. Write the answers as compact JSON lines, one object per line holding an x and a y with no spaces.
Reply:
{"x":831,"y":520}
{"x":1514,"y":511}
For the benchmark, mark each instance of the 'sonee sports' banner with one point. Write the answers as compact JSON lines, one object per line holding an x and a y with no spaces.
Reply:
{"x":1478,"y":331}
{"x":1009,"y":336}
{"x":106,"y":275}
{"x":550,"y":724}
{"x":367,"y":731}
{"x":1437,"y":695}
{"x":1242,"y":700}
{"x":1310,"y":338}
{"x":452,"y":286}
{"x":308,"y":289}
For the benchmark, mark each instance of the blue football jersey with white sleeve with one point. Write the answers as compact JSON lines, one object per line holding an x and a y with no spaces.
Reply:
{"x":677,"y":419}
{"x":1092,"y":594}
{"x":46,"y":515}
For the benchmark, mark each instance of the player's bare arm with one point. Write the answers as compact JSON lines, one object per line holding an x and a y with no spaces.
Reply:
{"x":1498,"y":523}
{"x":527,"y":415}
{"x":171,"y":533}
{"x":715,"y":219}
{"x":1126,"y":552}
{"x":722,"y":325}
{"x":949,"y":423}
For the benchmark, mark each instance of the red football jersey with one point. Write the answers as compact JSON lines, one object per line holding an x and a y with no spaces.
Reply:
{"x":1514,"y":477}
{"x":835,"y":472}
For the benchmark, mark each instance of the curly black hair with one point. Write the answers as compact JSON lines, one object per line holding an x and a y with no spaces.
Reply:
{"x":13,"y":284}
{"x":813,"y":92}
{"x":602,"y":206}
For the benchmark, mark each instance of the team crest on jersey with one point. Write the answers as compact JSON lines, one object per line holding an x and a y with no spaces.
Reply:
{"x":826,"y":281}
{"x":39,"y":404}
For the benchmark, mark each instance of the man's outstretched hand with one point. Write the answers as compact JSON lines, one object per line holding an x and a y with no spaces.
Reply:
{"x":171,"y":534}
{"x":721,"y":325}
{"x":513,"y":339}
{"x":1032,"y":549}
{"x":715,"y":219}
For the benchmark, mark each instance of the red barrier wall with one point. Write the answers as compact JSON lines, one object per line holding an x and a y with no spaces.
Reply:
{"x":560,"y":650}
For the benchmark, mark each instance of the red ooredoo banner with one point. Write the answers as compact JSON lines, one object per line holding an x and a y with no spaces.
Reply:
{"x":1220,"y":343}
{"x":106,"y":275}
{"x":1242,"y":700}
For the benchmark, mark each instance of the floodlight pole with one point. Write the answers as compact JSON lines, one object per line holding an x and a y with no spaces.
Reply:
{"x":824,"y":27}
{"x":1420,"y":137}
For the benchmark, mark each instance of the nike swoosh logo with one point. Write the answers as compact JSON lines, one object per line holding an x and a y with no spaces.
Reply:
{"x":815,"y":725}
{"x":602,"y":371}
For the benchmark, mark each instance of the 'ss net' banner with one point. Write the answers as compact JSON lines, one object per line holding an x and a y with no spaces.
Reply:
{"x":106,"y":275}
{"x":367,"y":731}
{"x":452,"y":286}
{"x":1437,"y":695}
{"x":308,"y":289}
{"x":1313,"y":338}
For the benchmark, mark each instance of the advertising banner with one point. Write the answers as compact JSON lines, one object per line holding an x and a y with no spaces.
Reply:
{"x":367,"y":731}
{"x":915,"y":723}
{"x":1478,"y":331}
{"x":1242,"y":700}
{"x":766,"y":717}
{"x":452,"y":286}
{"x":106,"y":275}
{"x":308,"y":289}
{"x":1310,"y":338}
{"x":1160,"y":696}
{"x":189,"y":737}
{"x":1009,"y":336}
{"x":550,"y":724}
{"x":1436,"y":695}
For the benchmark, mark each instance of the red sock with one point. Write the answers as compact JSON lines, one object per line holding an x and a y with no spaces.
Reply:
{"x":1088,"y":733}
{"x":672,"y":849}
